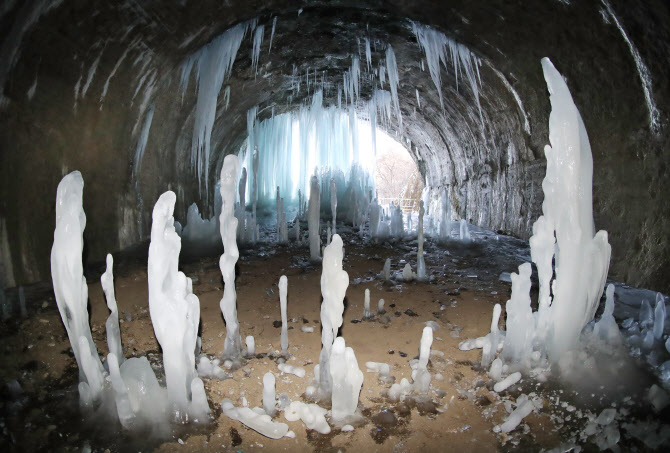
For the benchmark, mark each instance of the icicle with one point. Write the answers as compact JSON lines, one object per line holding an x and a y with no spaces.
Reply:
{"x":272,"y":34}
{"x":313,"y":220}
{"x":392,"y":69}
{"x":256,"y":48}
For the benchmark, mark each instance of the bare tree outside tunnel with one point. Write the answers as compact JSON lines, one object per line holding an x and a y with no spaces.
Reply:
{"x":397,"y":177}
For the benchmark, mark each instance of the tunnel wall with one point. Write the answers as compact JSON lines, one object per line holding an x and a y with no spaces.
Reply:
{"x":54,"y":120}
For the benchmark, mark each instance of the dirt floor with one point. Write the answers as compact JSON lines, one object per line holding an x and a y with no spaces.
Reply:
{"x":461,"y":413}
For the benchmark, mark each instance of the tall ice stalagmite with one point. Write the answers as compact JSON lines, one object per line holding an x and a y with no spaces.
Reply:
{"x":228,"y":222}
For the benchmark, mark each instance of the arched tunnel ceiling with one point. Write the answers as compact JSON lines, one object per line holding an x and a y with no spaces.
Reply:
{"x":82,"y":76}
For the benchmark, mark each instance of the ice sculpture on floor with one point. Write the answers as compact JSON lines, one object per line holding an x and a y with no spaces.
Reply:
{"x":334,"y":283}
{"x":112,"y":323}
{"x":420,"y":261}
{"x":347,"y":380}
{"x":198,"y":230}
{"x":283,"y":289}
{"x":175,"y":312}
{"x":582,"y":258}
{"x":228,"y":225}
{"x":313,"y":220}
{"x":565,"y":234}
{"x":255,"y":419}
{"x":420,"y":374}
{"x":70,"y":285}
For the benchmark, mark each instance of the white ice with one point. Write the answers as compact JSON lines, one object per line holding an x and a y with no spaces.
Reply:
{"x":347,"y":380}
{"x":312,"y":415}
{"x":258,"y":421}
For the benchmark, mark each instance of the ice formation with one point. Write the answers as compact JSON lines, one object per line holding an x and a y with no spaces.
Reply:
{"x":70,"y":285}
{"x":407,"y":274}
{"x":197,"y":230}
{"x":313,"y":416}
{"x":313,"y":220}
{"x":464,"y":232}
{"x":366,"y":304}
{"x":420,"y":261}
{"x":334,"y":283}
{"x":112,"y":323}
{"x":523,"y":409}
{"x":380,"y":307}
{"x":386,"y":271}
{"x":228,"y":226}
{"x":507,"y":382}
{"x":269,"y":395}
{"x":420,"y":374}
{"x":333,"y":204}
{"x":347,"y":380}
{"x":290,"y":369}
{"x":445,"y":219}
{"x":213,"y":64}
{"x":251,"y":345}
{"x":283,"y":290}
{"x":255,"y":419}
{"x":175,"y":311}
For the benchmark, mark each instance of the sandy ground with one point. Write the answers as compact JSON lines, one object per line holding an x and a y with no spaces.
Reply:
{"x":465,"y":286}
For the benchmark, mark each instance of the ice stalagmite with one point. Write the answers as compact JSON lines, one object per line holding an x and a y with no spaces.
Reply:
{"x":420,"y":373}
{"x":333,"y":204}
{"x":228,"y":225}
{"x":174,"y":309}
{"x":313,"y":220}
{"x":464,"y":232}
{"x":70,"y":285}
{"x":347,"y":380}
{"x":112,"y":324}
{"x":520,"y":322}
{"x":420,"y":262}
{"x":582,"y":257}
{"x":334,"y":283}
{"x":283,"y":289}
{"x":366,"y":304}
{"x":269,"y":393}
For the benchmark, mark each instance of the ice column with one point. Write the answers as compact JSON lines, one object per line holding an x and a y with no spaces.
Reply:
{"x":420,"y":262}
{"x":582,"y":258}
{"x":347,"y":379}
{"x":69,"y":283}
{"x":174,"y":309}
{"x":283,"y":289}
{"x":228,"y":225}
{"x":112,"y":324}
{"x":366,"y":304}
{"x":520,"y":322}
{"x":420,"y":374}
{"x":313,"y":220}
{"x":269,"y":400}
{"x":334,"y":283}
{"x":333,"y":203}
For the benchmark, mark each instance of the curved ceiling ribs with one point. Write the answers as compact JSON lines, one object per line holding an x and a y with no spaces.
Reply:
{"x":99,"y":87}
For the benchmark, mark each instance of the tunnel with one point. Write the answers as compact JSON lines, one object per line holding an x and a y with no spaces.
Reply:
{"x":144,"y":97}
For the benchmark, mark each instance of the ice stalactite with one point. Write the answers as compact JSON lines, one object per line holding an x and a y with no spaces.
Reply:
{"x":175,"y":312}
{"x":256,"y":48}
{"x":254,"y":195}
{"x":333,"y":204}
{"x":334,"y":283}
{"x":438,"y":48}
{"x":313,"y":220}
{"x":368,"y":54}
{"x":213,"y":62}
{"x":392,"y":70}
{"x":272,"y":33}
{"x":228,"y":225}
{"x":283,"y":290}
{"x":278,"y":214}
{"x":112,"y":323}
{"x":420,"y":261}
{"x":70,"y":286}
